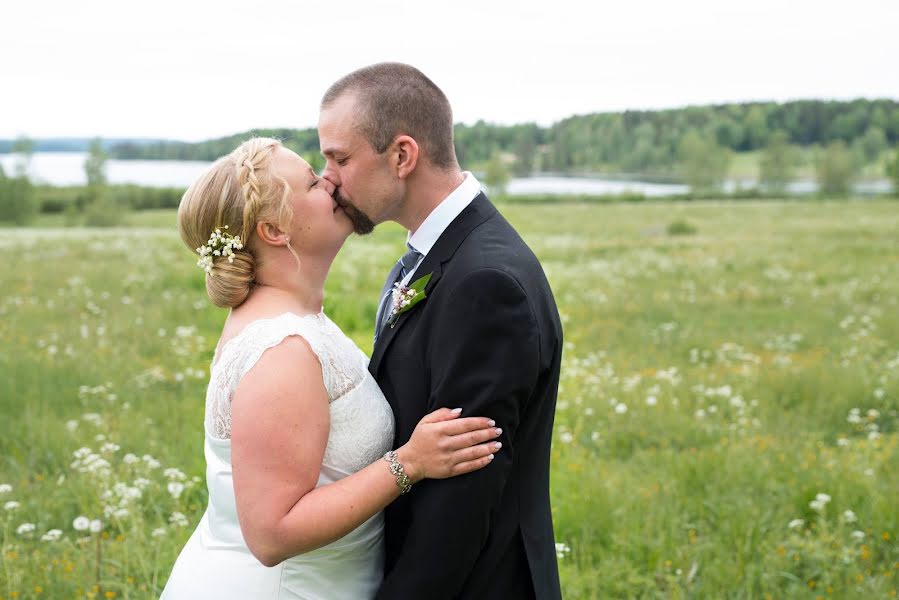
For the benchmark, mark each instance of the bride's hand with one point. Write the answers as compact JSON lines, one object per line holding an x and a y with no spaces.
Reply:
{"x":444,"y":445}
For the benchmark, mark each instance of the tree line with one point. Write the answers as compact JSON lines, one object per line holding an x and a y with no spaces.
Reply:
{"x":644,"y":142}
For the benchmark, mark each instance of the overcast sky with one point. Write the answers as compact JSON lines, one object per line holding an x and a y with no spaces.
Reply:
{"x":195,"y":69}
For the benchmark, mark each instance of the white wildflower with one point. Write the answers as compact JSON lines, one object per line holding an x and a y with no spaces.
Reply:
{"x":81,"y":523}
{"x":849,"y":516}
{"x":11,"y":505}
{"x":25,"y":528}
{"x":621,"y":408}
{"x":96,"y":526}
{"x":5,"y":488}
{"x":52,"y":535}
{"x":796,"y":524}
{"x":562,"y":550}
{"x":175,"y":488}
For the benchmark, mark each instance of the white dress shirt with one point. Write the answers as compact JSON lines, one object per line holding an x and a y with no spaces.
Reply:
{"x":440,"y":218}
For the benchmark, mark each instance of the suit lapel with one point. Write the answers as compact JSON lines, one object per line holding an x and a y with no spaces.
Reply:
{"x":479,"y":210}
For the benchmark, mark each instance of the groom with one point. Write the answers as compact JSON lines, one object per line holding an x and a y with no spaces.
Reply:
{"x":486,"y":336}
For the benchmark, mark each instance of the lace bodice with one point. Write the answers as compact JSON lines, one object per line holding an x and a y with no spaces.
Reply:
{"x":361,"y":420}
{"x":216,"y":563}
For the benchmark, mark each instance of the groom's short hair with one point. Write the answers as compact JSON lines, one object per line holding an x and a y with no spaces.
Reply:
{"x":397,"y":99}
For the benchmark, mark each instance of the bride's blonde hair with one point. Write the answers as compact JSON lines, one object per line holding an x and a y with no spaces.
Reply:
{"x":238,"y":191}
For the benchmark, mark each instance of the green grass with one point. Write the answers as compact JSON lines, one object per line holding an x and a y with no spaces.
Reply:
{"x":707,"y":395}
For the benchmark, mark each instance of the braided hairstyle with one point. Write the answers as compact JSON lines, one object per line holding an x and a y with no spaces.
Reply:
{"x":238,"y":191}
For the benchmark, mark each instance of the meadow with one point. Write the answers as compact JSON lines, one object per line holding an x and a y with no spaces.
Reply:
{"x":726,"y":425}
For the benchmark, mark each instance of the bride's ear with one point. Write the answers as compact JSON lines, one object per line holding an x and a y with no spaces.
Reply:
{"x":271,"y":234}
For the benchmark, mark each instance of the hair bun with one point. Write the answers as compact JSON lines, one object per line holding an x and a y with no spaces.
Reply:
{"x":230,"y":283}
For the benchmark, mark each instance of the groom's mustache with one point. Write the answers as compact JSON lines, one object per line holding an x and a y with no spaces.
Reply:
{"x":362,"y":225}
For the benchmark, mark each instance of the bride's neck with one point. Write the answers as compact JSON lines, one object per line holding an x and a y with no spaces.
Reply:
{"x":302,"y":290}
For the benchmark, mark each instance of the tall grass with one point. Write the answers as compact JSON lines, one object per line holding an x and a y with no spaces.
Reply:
{"x":726,"y":427}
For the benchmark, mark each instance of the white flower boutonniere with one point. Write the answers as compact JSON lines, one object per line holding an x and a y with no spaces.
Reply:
{"x":406,"y":297}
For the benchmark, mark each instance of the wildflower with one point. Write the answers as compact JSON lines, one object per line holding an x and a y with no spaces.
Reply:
{"x":858,"y":535}
{"x":81,"y":523}
{"x":562,"y":550}
{"x":52,"y":535}
{"x":173,"y":473}
{"x":819,"y":503}
{"x":178,"y":519}
{"x":175,"y":488}
{"x":11,"y":505}
{"x":5,"y":488}
{"x":96,"y":526}
{"x":621,"y":408}
{"x":72,"y":425}
{"x":651,"y":401}
{"x":25,"y":528}
{"x":130,"y":459}
{"x":109,"y":447}
{"x":796,"y":524}
{"x":158,"y":532}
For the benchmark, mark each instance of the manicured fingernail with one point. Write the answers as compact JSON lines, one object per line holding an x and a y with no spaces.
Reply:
{"x":489,"y":457}
{"x":499,"y":431}
{"x":497,"y":445}
{"x":456,"y":411}
{"x":491,"y":422}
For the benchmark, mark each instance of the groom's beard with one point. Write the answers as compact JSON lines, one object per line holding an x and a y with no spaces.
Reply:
{"x":361,"y":223}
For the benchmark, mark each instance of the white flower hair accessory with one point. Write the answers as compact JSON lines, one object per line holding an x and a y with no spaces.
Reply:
{"x":220,"y":244}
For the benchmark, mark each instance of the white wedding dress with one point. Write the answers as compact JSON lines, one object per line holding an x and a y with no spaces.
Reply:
{"x":216,"y":563}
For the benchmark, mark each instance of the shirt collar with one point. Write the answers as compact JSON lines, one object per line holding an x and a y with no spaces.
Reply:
{"x":440,"y":218}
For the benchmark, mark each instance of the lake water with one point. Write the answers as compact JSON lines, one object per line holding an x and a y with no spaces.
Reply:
{"x":67,"y":168}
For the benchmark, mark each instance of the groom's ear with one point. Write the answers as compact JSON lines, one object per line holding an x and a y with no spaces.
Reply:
{"x":269,"y":233}
{"x":405,"y":155}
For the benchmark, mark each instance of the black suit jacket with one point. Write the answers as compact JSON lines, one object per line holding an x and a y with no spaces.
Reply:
{"x":487,"y":338}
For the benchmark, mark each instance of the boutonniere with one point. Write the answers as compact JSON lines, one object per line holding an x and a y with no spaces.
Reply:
{"x":406,"y":297}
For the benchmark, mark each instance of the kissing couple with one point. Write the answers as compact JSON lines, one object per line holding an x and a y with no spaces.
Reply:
{"x":422,"y":472}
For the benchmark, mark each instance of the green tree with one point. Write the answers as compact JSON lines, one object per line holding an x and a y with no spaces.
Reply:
{"x":101,"y":209}
{"x":705,"y":162}
{"x":777,"y":163}
{"x":835,"y":170}
{"x":315,"y":160}
{"x":496,"y":176}
{"x":893,"y":171}
{"x":874,"y":142}
{"x":24,"y":148}
{"x":18,"y":203}
{"x":756,"y":127}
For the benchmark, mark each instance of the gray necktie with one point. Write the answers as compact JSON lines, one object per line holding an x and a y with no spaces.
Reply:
{"x":397,"y":273}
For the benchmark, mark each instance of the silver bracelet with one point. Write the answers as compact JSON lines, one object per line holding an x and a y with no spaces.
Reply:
{"x":402,"y":480}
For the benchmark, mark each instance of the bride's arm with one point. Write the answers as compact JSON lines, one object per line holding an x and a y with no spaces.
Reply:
{"x":279,"y":430}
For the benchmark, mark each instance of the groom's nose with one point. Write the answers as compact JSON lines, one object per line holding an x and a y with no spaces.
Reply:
{"x":331,"y":175}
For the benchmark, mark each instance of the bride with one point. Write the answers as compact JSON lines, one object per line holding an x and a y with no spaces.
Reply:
{"x":297,"y":433}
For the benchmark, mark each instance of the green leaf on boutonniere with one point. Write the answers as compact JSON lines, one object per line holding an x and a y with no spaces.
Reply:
{"x":406,"y":297}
